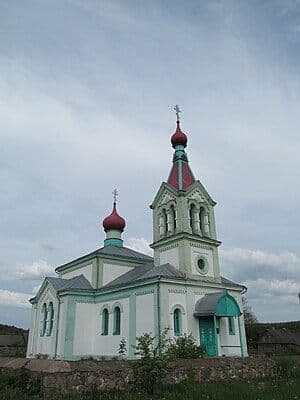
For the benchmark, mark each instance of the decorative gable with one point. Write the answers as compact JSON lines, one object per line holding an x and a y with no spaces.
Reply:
{"x":166,"y":198}
{"x":197,"y":196}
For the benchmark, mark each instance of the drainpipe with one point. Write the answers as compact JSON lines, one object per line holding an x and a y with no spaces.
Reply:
{"x":57,"y":326}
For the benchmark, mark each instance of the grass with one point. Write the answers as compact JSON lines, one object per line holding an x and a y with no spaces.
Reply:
{"x":259,"y":389}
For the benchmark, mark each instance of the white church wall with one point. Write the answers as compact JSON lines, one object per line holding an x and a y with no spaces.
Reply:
{"x":46,"y":344}
{"x":177,"y":299}
{"x":113,"y":271}
{"x":207,"y":254}
{"x":85,"y":328}
{"x":32,"y":338}
{"x":169,"y":256}
{"x":145,"y":314}
{"x":108,"y":345}
{"x":61,"y":328}
{"x":86,"y":271}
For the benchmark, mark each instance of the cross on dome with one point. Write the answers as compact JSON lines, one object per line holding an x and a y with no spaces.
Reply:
{"x":115,"y":194}
{"x":177,"y":111}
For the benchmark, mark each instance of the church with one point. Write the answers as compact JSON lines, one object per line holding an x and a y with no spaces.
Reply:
{"x":117,"y":293}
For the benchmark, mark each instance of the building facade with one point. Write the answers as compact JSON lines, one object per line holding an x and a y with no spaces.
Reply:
{"x":116,"y":293}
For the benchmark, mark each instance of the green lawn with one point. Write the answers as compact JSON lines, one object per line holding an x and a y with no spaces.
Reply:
{"x":261,"y":389}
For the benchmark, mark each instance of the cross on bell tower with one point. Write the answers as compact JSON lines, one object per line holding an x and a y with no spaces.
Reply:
{"x":177,"y":111}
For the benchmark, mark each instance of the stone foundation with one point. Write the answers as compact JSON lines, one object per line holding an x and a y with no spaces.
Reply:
{"x":76,"y":376}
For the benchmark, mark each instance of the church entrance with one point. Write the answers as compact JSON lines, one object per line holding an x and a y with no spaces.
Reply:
{"x":208,"y":335}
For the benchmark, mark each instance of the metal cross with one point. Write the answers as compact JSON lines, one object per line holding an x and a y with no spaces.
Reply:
{"x":177,"y":110}
{"x":115,"y":194}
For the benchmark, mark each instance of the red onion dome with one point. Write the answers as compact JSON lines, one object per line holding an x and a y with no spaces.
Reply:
{"x":114,"y":221}
{"x":178,"y":137}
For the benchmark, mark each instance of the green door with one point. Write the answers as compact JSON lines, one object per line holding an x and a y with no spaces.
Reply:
{"x":208,"y":335}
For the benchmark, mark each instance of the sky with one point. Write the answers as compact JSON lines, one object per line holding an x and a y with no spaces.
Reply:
{"x":86,"y":96}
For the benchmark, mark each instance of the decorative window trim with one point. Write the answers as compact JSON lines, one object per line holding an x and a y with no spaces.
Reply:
{"x":177,"y":322}
{"x":181,"y":308}
{"x":105,"y":305}
{"x":118,"y":304}
{"x":202,"y":257}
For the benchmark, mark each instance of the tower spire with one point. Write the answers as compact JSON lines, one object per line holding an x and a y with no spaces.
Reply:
{"x":181,"y":176}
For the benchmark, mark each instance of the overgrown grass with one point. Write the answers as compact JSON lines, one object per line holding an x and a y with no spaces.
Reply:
{"x":262,"y":389}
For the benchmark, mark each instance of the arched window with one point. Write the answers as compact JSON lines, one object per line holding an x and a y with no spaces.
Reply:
{"x":44,"y":319}
{"x":165,"y":222}
{"x":177,"y":322}
{"x":202,"y":220}
{"x":192,"y":217}
{"x":105,"y":319}
{"x":173,"y":217}
{"x":51,"y":318}
{"x":117,"y":321}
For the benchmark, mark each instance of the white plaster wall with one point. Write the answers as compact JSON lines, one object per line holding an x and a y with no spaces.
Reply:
{"x":108,"y":345}
{"x":145,"y":314}
{"x":86,"y":271}
{"x":207,"y":254}
{"x":61,"y":328}
{"x":170,"y":256}
{"x":31,"y":338}
{"x":229,"y":340}
{"x":178,"y":299}
{"x":46,"y":344}
{"x":85,"y":328}
{"x":112,"y":271}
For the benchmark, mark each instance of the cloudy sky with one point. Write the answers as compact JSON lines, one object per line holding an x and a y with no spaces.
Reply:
{"x":86,"y":95}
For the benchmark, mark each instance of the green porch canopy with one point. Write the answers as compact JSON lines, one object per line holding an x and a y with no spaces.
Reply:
{"x":219,"y":304}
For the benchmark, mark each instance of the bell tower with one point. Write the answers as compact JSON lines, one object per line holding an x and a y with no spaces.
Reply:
{"x":184,"y":232}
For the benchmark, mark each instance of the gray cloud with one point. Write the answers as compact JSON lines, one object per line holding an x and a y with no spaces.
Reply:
{"x":84,"y":110}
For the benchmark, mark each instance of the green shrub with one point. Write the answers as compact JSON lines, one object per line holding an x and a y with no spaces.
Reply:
{"x":20,"y":380}
{"x":185,"y":347}
{"x":150,"y":370}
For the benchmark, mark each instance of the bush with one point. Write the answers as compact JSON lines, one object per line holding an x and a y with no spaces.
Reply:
{"x":151,"y":369}
{"x":20,"y":380}
{"x":185,"y":347}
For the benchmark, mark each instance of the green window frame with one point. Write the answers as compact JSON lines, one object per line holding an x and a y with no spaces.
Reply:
{"x":117,"y":321}
{"x":51,"y":318}
{"x":44,"y":319}
{"x":231,"y":326}
{"x":105,"y":322}
{"x":177,"y":321}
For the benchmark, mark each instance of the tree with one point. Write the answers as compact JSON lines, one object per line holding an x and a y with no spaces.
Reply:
{"x":249,"y":315}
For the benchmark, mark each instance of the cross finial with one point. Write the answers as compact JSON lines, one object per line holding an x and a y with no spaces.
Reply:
{"x":115,"y":194}
{"x":177,"y":110}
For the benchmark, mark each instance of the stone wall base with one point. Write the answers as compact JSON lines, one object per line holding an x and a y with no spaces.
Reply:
{"x":77,"y":376}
